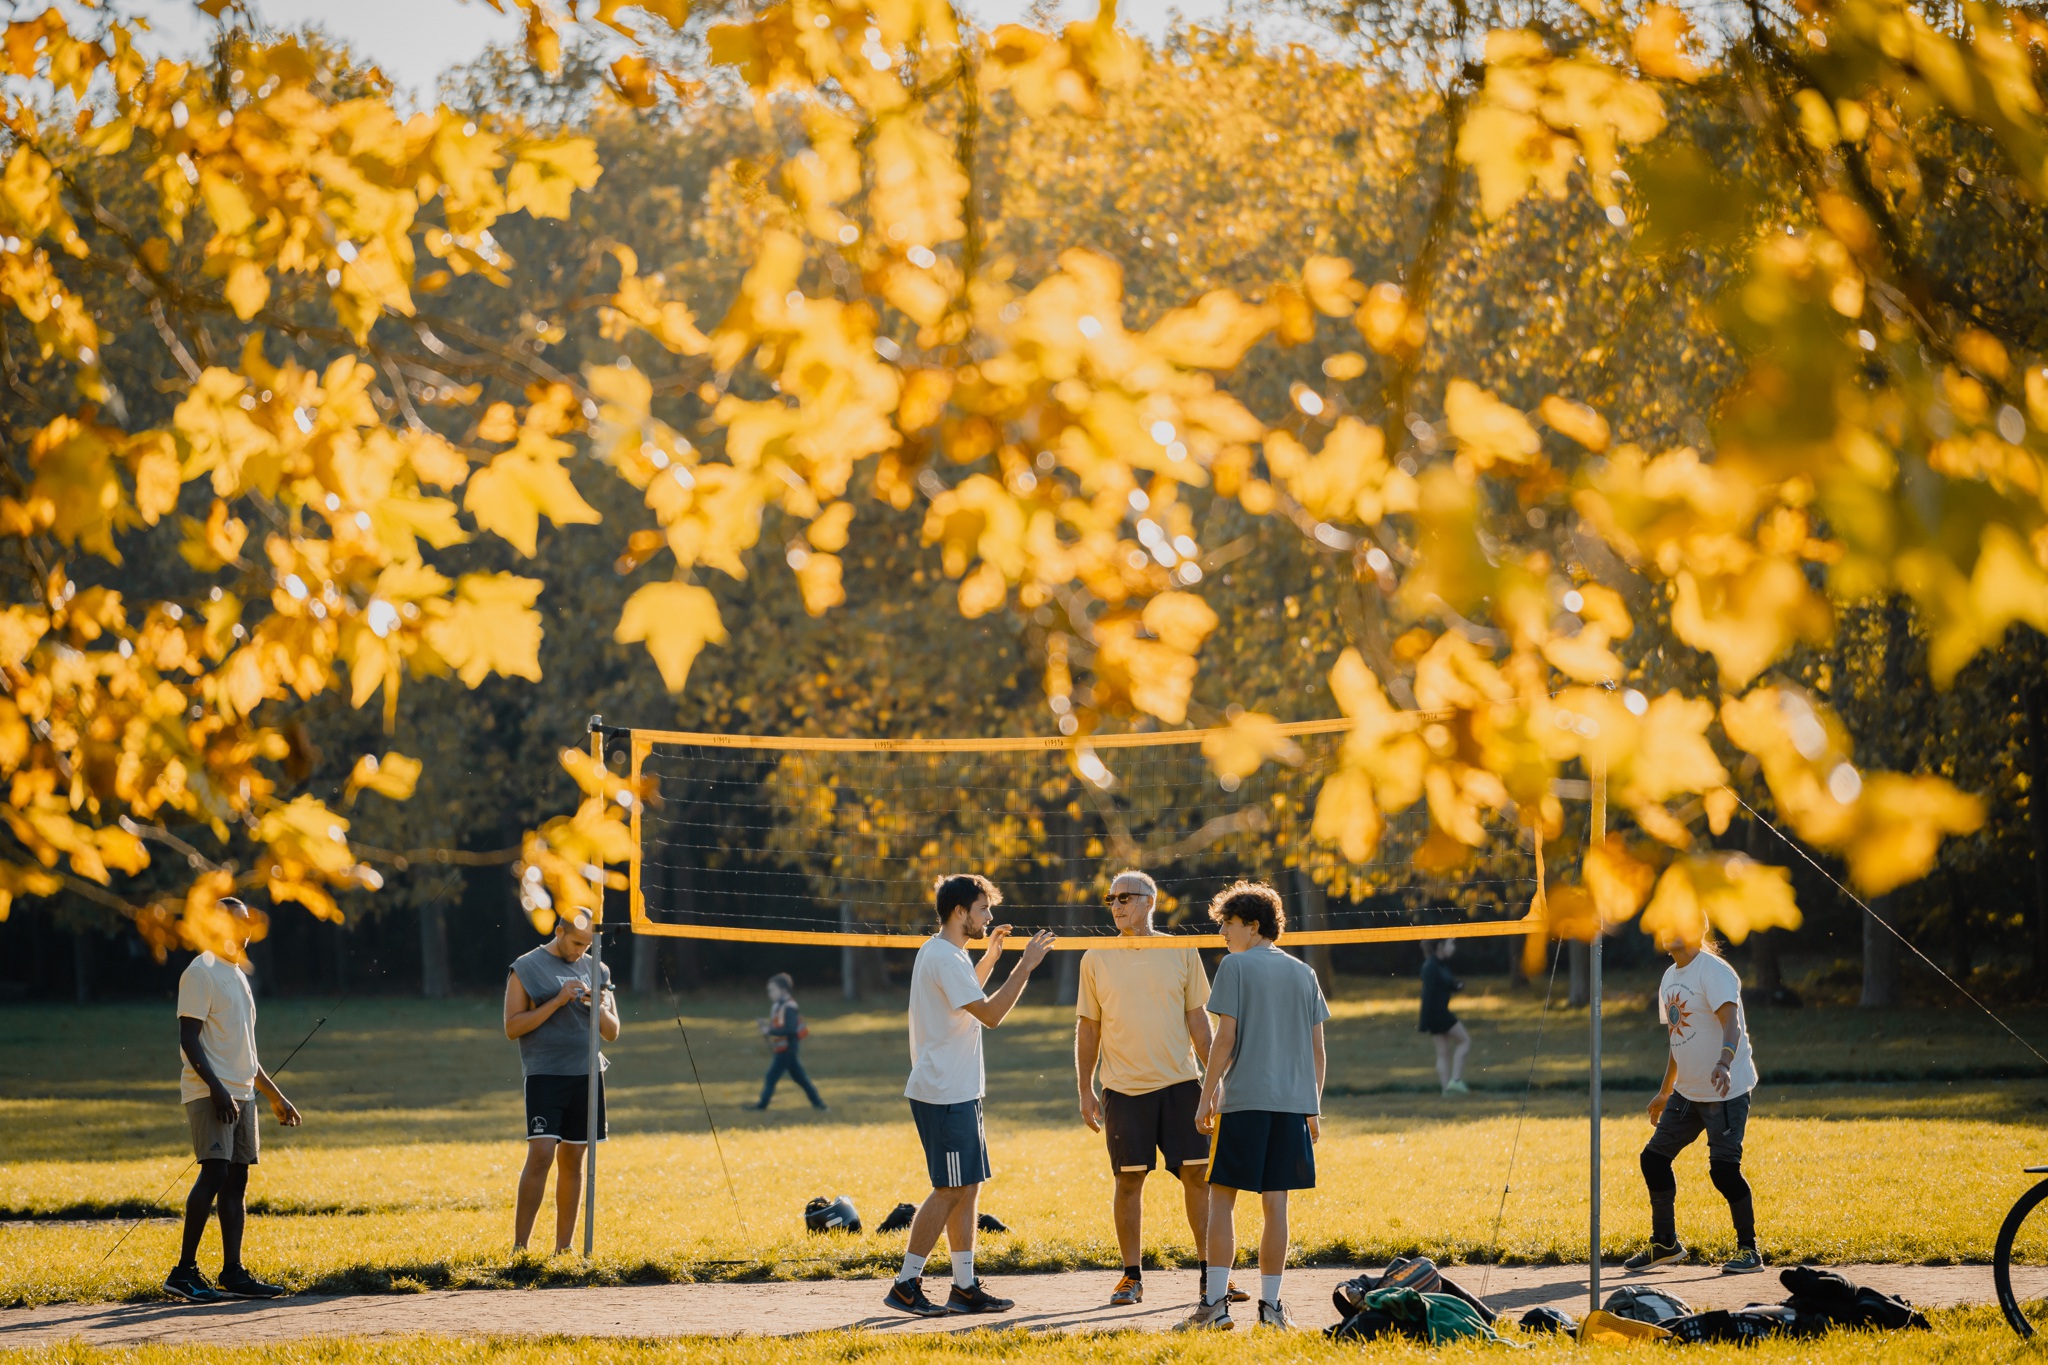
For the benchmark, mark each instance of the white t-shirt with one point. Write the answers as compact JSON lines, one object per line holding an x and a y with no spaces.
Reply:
{"x":214,"y":991}
{"x":945,"y":1040}
{"x":1686,"y":1002}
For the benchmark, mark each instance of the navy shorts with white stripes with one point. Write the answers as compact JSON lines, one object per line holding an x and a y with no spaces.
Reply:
{"x":955,"y":1145}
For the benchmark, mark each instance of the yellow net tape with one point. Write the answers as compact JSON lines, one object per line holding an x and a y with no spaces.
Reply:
{"x":643,"y":742}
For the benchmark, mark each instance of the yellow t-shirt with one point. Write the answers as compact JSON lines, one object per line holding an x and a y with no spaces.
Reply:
{"x":1141,"y":997}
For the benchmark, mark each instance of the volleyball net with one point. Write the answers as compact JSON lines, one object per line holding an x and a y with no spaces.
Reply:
{"x":838,"y":842}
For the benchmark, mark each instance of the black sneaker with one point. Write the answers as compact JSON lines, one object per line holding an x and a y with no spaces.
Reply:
{"x":240,"y":1284}
{"x":1746,"y":1261}
{"x":1654,"y":1256}
{"x":188,"y":1284}
{"x":975,"y":1299}
{"x":907,"y":1296}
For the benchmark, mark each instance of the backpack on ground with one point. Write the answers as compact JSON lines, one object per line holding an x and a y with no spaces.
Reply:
{"x":899,"y":1218}
{"x":1658,"y":1307}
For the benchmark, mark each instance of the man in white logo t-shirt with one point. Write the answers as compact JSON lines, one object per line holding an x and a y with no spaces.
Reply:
{"x":948,"y":1011}
{"x":1707,"y":1083}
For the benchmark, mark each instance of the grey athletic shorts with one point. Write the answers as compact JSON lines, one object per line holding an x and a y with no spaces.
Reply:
{"x":213,"y":1140}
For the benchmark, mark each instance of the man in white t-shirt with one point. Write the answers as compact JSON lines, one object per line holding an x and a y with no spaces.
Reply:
{"x":948,"y":1010}
{"x":219,"y":1084}
{"x":1706,"y":1089}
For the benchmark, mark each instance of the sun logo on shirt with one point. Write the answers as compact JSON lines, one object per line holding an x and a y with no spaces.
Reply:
{"x":1679,"y":1017}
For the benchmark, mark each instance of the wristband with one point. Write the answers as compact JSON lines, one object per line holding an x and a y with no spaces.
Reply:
{"x":1729,"y":1050}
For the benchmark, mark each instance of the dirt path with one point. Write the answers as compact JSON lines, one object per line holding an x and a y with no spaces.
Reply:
{"x":1055,"y":1303}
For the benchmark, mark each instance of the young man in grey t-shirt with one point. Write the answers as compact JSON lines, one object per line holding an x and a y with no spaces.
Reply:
{"x":547,"y":1008}
{"x":1262,"y":1105}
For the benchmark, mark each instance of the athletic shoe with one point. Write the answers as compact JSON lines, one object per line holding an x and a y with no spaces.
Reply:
{"x":188,"y":1284}
{"x":1457,"y":1088}
{"x":975,"y":1299}
{"x":907,"y":1296}
{"x":1653,"y":1256}
{"x":1207,"y":1317}
{"x":757,"y":1108}
{"x":1275,"y":1315}
{"x":1128,"y":1292}
{"x":1746,"y":1261}
{"x":1234,"y":1294}
{"x":240,"y":1284}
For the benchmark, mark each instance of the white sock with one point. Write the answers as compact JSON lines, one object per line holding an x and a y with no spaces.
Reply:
{"x":1219,"y":1284}
{"x":1269,"y":1289}
{"x":963,"y":1268}
{"x":913,"y":1266}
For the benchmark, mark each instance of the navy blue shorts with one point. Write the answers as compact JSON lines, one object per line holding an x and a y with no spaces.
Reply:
{"x":1256,"y":1149}
{"x":955,"y":1145}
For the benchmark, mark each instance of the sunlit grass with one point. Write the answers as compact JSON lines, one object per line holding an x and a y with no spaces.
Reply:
{"x":1967,"y":1335}
{"x":403,"y":1176}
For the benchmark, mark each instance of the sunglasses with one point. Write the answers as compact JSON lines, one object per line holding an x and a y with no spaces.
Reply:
{"x":1119,"y":897}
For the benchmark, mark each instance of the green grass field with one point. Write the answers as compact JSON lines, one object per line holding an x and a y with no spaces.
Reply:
{"x":402,"y":1177}
{"x":1976,"y":1335}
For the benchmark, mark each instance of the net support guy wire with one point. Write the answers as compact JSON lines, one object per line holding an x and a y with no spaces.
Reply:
{"x":596,"y":956}
{"x":1599,"y":836}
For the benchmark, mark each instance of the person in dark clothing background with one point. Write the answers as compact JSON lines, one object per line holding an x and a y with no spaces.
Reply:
{"x":1452,"y":1041}
{"x":784,"y":1029}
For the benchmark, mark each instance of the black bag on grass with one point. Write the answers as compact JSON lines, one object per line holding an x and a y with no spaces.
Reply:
{"x":1836,"y":1300}
{"x":1640,"y":1303}
{"x":899,"y":1218}
{"x":1757,"y":1322}
{"x":1550,"y":1320}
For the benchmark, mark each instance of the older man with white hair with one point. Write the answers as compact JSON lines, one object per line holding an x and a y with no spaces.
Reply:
{"x":1141,"y":1020}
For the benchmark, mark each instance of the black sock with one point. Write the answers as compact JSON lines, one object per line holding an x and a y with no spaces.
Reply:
{"x":1202,"y":1271}
{"x":1134,"y":1272}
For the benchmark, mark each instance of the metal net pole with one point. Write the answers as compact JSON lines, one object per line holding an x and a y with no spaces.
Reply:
{"x":596,"y":955}
{"x":1599,"y":836}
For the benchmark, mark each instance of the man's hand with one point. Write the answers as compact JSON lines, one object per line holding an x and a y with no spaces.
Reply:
{"x":1091,"y":1110}
{"x":1036,"y":949}
{"x":226,"y":1108}
{"x":1315,"y":1128}
{"x":571,"y":991}
{"x":996,"y":936}
{"x":284,"y":1111}
{"x":1720,"y":1077}
{"x":1205,"y":1114}
{"x":1656,"y":1106}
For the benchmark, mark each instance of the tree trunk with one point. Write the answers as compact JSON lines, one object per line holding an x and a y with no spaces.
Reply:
{"x":1581,"y":956}
{"x":81,"y":965}
{"x":1880,"y":957}
{"x":1070,"y":963}
{"x":646,"y":963}
{"x":2037,"y":810}
{"x":434,"y":976}
{"x":1314,"y":906}
{"x":849,"y":956}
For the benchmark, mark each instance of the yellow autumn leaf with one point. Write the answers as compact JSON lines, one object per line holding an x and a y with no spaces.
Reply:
{"x":1181,"y":620}
{"x":1488,"y":431}
{"x":676,"y":621}
{"x":1347,"y":816}
{"x":1575,"y":420}
{"x":393,"y":776}
{"x":1238,"y":749}
{"x":509,"y":496}
{"x":491,"y":627}
{"x":545,"y":173}
{"x":818,"y":577}
{"x":1735,"y":895}
{"x":247,"y":289}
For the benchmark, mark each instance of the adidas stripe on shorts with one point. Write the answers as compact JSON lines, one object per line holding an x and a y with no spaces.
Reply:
{"x":955,"y":1144}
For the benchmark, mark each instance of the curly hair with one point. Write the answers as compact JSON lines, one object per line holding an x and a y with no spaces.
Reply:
{"x":961,"y":891}
{"x":1251,"y":903}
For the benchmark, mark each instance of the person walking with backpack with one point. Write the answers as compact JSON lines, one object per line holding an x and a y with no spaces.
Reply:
{"x":1451,"y":1038}
{"x":1262,"y":1096}
{"x":1707,"y":1083}
{"x":784,"y":1030}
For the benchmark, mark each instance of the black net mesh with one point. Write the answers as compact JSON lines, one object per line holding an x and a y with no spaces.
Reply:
{"x":826,"y":841}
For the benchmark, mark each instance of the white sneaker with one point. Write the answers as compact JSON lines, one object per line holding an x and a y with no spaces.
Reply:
{"x":1275,"y":1315}
{"x":1208,"y":1317}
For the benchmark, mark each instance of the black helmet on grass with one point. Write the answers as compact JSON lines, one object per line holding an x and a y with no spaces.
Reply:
{"x":831,"y":1215}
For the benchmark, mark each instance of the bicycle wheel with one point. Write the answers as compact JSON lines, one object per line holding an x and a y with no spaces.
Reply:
{"x":2019,"y":1263}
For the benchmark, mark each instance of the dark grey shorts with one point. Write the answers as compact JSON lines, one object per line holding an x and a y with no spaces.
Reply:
{"x":1684,"y":1120}
{"x":213,"y":1140}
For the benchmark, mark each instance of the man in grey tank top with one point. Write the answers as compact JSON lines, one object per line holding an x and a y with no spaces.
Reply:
{"x":547,"y":1008}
